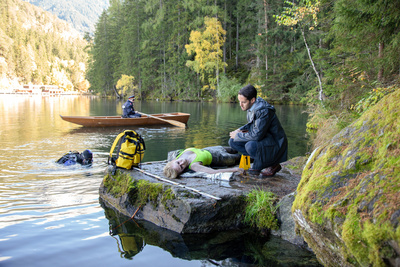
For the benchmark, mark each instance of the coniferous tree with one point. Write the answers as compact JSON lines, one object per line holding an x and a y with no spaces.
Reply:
{"x":100,"y":73}
{"x":131,"y":40}
{"x":366,"y":38}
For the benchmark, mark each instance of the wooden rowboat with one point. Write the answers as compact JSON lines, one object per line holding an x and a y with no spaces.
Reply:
{"x":111,"y":121}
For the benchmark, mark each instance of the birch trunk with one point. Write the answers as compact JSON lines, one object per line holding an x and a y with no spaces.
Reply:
{"x":321,"y":92}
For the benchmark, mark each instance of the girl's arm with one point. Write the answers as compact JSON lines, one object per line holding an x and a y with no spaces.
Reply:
{"x":200,"y":168}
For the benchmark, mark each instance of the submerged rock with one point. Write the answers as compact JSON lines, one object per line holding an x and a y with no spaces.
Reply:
{"x":347,"y":203}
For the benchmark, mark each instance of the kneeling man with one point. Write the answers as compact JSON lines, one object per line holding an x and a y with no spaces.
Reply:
{"x":263,"y":137}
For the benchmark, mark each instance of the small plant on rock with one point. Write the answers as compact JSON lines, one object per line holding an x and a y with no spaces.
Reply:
{"x":261,"y":209}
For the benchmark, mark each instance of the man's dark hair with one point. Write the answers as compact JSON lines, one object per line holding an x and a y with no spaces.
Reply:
{"x":248,"y":92}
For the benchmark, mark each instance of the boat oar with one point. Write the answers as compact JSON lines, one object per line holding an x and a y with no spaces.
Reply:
{"x":175,"y":123}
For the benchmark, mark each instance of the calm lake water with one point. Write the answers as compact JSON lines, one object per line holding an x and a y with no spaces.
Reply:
{"x":50,"y":215}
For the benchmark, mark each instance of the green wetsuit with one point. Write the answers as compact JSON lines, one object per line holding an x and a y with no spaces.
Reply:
{"x":202,"y":156}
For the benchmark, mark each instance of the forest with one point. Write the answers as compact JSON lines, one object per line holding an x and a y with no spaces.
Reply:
{"x":330,"y":50}
{"x":337,"y":56}
{"x":38,"y":48}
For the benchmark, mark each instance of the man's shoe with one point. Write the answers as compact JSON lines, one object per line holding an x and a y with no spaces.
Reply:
{"x":271,"y":171}
{"x":253,"y":172}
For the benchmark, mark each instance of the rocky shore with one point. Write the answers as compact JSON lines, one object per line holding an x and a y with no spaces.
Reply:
{"x":202,"y":204}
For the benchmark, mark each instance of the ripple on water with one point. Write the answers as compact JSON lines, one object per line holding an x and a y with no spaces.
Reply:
{"x":49,"y":200}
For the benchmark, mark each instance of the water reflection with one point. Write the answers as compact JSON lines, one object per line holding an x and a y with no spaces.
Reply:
{"x":47,"y":201}
{"x":234,"y":248}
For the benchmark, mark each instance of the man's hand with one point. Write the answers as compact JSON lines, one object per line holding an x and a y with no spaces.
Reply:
{"x":234,"y":133}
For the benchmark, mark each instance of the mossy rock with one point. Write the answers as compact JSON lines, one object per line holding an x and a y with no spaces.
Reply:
{"x":140,"y":192}
{"x":177,"y":208}
{"x":347,"y":205}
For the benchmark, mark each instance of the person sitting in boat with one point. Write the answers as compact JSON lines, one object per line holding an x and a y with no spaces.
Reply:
{"x":128,"y":109}
{"x":199,"y":160}
{"x":74,"y":157}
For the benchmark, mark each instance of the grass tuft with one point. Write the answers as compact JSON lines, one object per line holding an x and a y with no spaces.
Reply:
{"x":261,"y":209}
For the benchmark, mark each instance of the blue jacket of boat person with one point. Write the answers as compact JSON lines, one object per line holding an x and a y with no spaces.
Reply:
{"x":128,"y":108}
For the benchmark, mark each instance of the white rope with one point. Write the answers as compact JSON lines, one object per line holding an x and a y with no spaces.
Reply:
{"x":177,"y":184}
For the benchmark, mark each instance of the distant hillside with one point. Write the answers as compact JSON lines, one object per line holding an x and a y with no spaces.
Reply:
{"x":82,"y":15}
{"x":36,"y":47}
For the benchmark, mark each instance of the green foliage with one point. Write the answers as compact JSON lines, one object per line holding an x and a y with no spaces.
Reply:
{"x":371,"y":99}
{"x":104,"y":63}
{"x":364,"y":37}
{"x":261,"y":209}
{"x":138,"y":39}
{"x":228,"y":89}
{"x":303,"y":13}
{"x":147,"y":40}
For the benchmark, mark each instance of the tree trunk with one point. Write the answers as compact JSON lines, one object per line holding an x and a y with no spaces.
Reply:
{"x":139,"y":79}
{"x":237,"y":42}
{"x":116,"y":93}
{"x":380,"y":55}
{"x":321,"y":92}
{"x":218,"y":47}
{"x":164,"y":71}
{"x":107,"y":67}
{"x":266,"y":39}
{"x":224,"y":53}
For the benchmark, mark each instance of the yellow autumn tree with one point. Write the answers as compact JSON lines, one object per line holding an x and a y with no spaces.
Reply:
{"x":125,"y":85}
{"x":206,"y":45}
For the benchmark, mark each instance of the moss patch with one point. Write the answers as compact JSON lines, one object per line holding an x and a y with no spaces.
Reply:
{"x":148,"y":192}
{"x":353,"y":183}
{"x":140,"y":191}
{"x":119,"y":184}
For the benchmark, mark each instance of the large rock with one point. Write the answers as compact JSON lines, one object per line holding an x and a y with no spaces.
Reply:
{"x":194,"y":204}
{"x":287,"y":227}
{"x":347,"y":205}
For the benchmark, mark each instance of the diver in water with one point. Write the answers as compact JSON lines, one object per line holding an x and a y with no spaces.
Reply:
{"x":74,"y":157}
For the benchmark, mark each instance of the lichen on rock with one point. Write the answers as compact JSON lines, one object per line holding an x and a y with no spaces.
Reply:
{"x":347,"y":203}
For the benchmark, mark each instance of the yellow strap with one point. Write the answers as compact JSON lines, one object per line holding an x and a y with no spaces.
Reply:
{"x":115,"y":143}
{"x":131,"y":131}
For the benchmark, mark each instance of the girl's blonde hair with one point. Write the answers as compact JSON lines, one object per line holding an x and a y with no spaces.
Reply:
{"x":170,"y":172}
